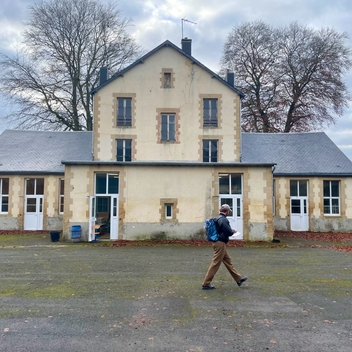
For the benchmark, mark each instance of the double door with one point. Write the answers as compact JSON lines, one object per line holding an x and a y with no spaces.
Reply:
{"x":112,"y":210}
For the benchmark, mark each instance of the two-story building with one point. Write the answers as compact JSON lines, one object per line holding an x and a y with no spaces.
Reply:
{"x":166,"y":151}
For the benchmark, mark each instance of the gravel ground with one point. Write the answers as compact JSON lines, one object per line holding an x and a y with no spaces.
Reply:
{"x":87,"y":297}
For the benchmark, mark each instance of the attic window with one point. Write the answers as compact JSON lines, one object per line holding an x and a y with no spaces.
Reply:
{"x":167,"y":79}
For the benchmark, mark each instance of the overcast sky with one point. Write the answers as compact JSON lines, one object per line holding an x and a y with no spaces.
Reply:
{"x":154,"y":21}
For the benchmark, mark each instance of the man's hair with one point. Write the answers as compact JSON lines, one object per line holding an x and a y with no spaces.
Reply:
{"x":224,"y":208}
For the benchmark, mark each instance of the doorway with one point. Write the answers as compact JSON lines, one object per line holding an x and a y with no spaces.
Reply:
{"x":33,"y":204}
{"x":299,"y":217}
{"x":104,"y":208}
{"x":230,"y":189}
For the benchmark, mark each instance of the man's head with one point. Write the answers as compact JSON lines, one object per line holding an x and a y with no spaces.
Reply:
{"x":225,"y":209}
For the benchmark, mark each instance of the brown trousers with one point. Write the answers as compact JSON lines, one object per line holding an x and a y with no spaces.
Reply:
{"x":220,"y":256}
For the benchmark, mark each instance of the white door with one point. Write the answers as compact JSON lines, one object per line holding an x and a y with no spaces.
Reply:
{"x":114,"y":217}
{"x":236,"y":218}
{"x":33,"y":213}
{"x":299,"y":214}
{"x":92,"y":218}
{"x":299,"y":205}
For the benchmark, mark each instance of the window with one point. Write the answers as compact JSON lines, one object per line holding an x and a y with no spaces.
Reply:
{"x":230,"y":191}
{"x":210,"y":112}
{"x":273,"y":198}
{"x":210,"y":150}
{"x":168,"y":127}
{"x":124,"y":149}
{"x":4,"y":195}
{"x":124,"y":111}
{"x":106,"y":183}
{"x":167,"y":79}
{"x":102,"y":204}
{"x":230,"y":184}
{"x":332,"y":197}
{"x":35,"y":186}
{"x":168,"y":211}
{"x":298,"y":188}
{"x":61,"y":196}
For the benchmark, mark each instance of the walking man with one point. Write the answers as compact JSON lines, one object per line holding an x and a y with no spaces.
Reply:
{"x":220,"y":251}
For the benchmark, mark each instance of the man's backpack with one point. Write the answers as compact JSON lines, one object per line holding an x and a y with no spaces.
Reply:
{"x":210,"y":229}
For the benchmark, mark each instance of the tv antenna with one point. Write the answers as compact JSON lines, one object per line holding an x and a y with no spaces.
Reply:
{"x":185,"y":20}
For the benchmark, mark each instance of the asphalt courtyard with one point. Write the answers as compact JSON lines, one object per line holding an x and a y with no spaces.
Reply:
{"x":86,"y":297}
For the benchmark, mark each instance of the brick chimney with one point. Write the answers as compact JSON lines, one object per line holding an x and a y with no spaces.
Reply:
{"x":230,"y":78}
{"x":103,"y":75}
{"x":187,"y":46}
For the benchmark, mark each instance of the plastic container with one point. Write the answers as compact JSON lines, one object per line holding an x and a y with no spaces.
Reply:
{"x":55,"y":236}
{"x":76,"y":233}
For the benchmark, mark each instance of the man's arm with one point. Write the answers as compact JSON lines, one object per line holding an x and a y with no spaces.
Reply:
{"x":225,"y":228}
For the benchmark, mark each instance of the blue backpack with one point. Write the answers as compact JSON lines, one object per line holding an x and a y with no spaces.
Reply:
{"x":210,"y":229}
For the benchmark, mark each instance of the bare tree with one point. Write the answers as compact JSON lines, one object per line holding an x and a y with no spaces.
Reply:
{"x":292,"y":77}
{"x":66,"y":42}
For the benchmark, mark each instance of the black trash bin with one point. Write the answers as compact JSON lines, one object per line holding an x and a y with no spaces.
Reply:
{"x":55,"y":236}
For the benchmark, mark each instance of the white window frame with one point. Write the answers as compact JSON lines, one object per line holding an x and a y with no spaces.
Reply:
{"x":170,"y":127}
{"x":209,"y":141}
{"x":331,"y":198}
{"x":2,"y":195}
{"x":124,"y":155}
{"x":211,"y":120}
{"x":126,"y":119}
{"x":168,"y":214}
{"x":61,"y":197}
{"x":274,"y":197}
{"x":107,"y":175}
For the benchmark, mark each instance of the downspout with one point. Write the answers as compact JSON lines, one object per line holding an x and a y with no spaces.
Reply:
{"x":241,"y":146}
{"x":92,"y":151}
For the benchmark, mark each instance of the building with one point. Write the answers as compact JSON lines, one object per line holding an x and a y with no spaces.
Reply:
{"x":166,"y":150}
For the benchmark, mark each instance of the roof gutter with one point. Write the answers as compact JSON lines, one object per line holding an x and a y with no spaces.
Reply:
{"x":315,"y":174}
{"x":166,"y":163}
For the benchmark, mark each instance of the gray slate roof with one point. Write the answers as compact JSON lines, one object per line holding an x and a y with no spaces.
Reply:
{"x":295,"y":154}
{"x":42,"y":151}
{"x":298,"y":154}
